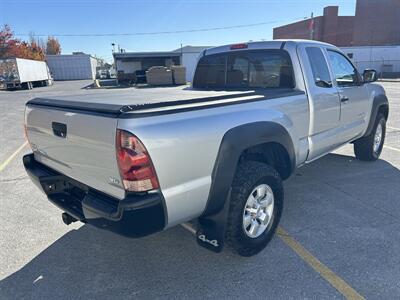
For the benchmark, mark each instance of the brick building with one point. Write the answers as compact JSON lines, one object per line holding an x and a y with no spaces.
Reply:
{"x":375,"y":23}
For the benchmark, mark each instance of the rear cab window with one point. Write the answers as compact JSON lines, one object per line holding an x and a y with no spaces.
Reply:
{"x":246,"y":69}
{"x":319,"y":67}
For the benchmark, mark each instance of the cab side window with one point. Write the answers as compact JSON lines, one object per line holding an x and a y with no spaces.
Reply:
{"x":319,"y":67}
{"x":345,"y":73}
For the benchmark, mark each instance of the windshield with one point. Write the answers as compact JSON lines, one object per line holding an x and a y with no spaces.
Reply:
{"x":245,"y":70}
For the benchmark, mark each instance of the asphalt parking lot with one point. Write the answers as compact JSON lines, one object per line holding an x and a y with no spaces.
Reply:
{"x":344,"y":212}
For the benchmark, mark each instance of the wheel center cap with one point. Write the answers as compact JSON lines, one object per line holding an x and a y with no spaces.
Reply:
{"x":259,"y":210}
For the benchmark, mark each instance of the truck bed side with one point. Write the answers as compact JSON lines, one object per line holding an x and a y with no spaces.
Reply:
{"x":184,"y":146}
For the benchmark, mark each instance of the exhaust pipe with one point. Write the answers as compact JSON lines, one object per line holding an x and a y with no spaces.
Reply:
{"x":68,"y":219}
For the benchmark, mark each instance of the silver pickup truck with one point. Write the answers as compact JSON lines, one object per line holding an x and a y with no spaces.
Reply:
{"x":214,"y":154}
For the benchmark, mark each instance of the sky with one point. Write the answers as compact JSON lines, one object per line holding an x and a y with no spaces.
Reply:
{"x":62,"y":17}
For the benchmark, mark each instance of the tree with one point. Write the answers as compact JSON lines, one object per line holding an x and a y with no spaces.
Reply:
{"x":37,"y":41}
{"x":53,"y":46}
{"x":13,"y":47}
{"x":6,"y":41}
{"x":35,"y":51}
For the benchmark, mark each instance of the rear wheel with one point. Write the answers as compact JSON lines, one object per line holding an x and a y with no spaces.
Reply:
{"x":369,"y":148}
{"x":255,"y":208}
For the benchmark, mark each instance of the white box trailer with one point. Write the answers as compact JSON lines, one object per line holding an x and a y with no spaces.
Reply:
{"x":24,"y":73}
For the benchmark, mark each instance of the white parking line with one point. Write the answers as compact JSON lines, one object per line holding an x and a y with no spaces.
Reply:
{"x":393,"y":128}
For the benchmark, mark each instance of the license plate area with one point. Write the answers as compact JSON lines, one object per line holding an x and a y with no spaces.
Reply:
{"x":61,"y":184}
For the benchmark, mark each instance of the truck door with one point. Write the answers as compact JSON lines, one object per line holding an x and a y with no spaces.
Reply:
{"x":324,"y":103}
{"x":353,"y":95}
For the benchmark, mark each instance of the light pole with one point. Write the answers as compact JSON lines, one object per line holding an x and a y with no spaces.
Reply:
{"x":312,"y":26}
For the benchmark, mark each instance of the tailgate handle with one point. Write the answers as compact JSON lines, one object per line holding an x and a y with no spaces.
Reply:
{"x":59,"y":129}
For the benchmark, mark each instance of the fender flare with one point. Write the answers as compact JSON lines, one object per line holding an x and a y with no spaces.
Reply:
{"x":233,"y":143}
{"x":378,"y":102}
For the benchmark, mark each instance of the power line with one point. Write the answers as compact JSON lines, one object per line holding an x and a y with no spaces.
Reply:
{"x":157,"y":32}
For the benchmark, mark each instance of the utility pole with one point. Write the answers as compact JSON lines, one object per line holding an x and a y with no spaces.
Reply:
{"x":311,"y":26}
{"x":181,"y":62}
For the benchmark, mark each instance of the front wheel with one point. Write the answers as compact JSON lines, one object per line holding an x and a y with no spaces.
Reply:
{"x":255,"y":208}
{"x":369,"y":148}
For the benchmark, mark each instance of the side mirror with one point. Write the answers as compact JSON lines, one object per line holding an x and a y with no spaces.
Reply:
{"x":370,"y":75}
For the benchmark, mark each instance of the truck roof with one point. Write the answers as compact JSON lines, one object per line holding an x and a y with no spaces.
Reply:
{"x":275,"y":44}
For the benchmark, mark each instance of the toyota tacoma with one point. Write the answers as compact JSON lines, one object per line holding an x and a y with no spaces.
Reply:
{"x":215,"y":154}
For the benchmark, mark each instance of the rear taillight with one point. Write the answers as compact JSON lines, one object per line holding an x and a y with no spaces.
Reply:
{"x":134,"y":162}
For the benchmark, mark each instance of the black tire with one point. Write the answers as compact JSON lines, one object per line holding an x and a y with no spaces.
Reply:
{"x":249,"y":175}
{"x":364,"y":147}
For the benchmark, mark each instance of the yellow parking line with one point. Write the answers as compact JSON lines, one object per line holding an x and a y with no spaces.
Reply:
{"x":391,"y":148}
{"x":8,"y":160}
{"x":338,"y":283}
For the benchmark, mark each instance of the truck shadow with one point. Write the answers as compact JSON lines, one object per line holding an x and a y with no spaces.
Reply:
{"x":90,"y":263}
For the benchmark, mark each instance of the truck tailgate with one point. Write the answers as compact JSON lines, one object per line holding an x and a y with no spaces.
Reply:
{"x":81,"y":146}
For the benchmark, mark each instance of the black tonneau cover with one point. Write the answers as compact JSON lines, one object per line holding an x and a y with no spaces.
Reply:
{"x":125,"y":106}
{"x":90,"y":107}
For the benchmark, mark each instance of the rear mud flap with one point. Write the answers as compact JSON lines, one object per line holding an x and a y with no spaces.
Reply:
{"x":211,"y":229}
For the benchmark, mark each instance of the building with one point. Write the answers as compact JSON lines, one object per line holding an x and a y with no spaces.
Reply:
{"x":384,"y":59}
{"x":371,"y":38}
{"x":76,"y":66}
{"x":126,"y":63}
{"x":330,"y":28}
{"x":376,"y":23}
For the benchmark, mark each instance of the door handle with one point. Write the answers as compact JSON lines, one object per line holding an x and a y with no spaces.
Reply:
{"x":344,"y":99}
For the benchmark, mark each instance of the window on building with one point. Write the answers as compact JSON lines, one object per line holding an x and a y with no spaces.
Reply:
{"x":245,"y":69}
{"x":345,"y":73}
{"x":319,"y":67}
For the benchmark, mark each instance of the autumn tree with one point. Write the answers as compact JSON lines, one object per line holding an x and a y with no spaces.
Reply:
{"x":53,"y":46}
{"x":38,"y":41}
{"x":13,"y":47}
{"x":6,"y":41}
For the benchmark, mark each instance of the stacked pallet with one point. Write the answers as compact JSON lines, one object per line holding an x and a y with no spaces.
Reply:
{"x":179,"y":74}
{"x":159,"y":76}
